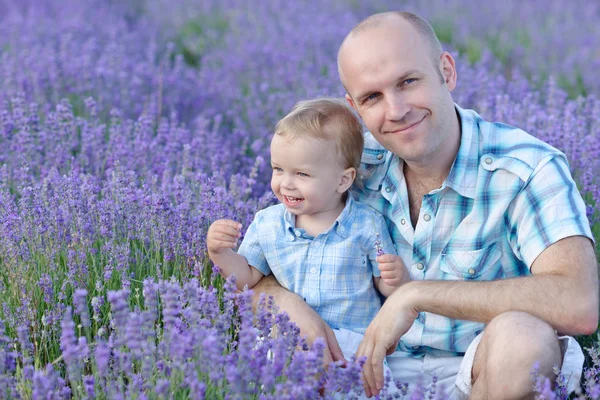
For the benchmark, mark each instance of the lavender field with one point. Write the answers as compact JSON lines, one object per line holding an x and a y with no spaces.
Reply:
{"x":127,"y":127}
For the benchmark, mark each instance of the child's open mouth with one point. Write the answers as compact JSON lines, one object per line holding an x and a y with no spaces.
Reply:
{"x":289,"y":200}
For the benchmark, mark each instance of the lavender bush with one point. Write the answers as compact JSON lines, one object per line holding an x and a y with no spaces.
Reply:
{"x":126,"y":128}
{"x":178,"y":342}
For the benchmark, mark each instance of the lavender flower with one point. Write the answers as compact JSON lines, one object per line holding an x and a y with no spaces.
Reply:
{"x":378,"y":246}
{"x":113,"y":164}
{"x":80,"y":303}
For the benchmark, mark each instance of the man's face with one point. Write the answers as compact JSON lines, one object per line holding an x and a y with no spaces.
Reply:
{"x":401,"y":93}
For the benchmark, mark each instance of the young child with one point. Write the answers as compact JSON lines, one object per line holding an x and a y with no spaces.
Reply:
{"x":319,"y":242}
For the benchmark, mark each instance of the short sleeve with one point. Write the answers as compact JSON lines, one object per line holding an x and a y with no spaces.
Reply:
{"x":251,"y":248}
{"x":381,"y":239}
{"x":549,"y":208}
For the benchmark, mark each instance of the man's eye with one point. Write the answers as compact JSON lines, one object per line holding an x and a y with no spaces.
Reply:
{"x":372,"y":96}
{"x":409,"y":81}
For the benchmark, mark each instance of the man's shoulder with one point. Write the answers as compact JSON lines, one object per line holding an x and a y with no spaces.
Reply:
{"x":374,"y":162}
{"x":503,"y":146}
{"x":373,"y":152}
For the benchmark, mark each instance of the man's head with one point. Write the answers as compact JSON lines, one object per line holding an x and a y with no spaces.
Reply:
{"x":399,"y":81}
{"x":315,"y":154}
{"x":421,"y":26}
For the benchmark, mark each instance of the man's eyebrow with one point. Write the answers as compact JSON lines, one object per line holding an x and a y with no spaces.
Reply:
{"x":362,"y":96}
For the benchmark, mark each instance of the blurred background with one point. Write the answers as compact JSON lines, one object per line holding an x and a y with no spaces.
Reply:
{"x":126,"y":127}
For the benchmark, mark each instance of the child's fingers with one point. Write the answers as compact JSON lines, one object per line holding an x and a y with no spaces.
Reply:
{"x":392,"y":282}
{"x":221,"y":244}
{"x":227,"y":222}
{"x":386,"y":275}
{"x":221,"y":231}
{"x":219,"y":237}
{"x":387,"y":258}
{"x":216,"y":235}
{"x":390,"y":266}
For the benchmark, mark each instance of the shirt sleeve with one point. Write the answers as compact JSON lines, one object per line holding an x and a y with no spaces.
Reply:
{"x":381,"y":232}
{"x":251,"y":248}
{"x":549,"y":208}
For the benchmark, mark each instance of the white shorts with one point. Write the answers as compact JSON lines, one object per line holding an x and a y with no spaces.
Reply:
{"x":349,"y":342}
{"x":454,"y":373}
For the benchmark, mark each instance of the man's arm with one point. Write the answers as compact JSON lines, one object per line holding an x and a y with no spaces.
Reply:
{"x":310,"y":323}
{"x":563,"y":291}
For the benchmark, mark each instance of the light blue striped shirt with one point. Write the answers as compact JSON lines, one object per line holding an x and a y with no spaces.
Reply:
{"x":333,"y":271}
{"x":508,"y":197}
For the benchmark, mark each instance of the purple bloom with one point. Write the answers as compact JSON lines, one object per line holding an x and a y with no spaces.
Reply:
{"x":80,"y":303}
{"x":89,"y":383}
{"x":378,"y":246}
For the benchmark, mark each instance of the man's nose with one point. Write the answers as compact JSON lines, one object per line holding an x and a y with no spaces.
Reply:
{"x":396,"y":107}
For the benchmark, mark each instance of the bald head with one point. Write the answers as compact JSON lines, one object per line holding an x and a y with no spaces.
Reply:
{"x":391,"y":19}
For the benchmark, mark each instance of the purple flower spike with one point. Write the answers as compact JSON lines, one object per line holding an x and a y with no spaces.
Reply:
{"x":378,"y":246}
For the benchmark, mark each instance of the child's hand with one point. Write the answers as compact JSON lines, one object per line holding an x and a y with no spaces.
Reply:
{"x":393,"y":270}
{"x":222,"y":234}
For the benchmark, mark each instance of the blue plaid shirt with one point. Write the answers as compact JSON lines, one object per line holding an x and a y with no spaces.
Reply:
{"x":508,"y":197}
{"x":333,"y":271}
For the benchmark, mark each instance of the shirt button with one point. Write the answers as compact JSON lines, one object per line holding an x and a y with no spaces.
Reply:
{"x":388,"y":189}
{"x":379,"y":156}
{"x":415,"y":347}
{"x":403,"y":221}
{"x":317,"y":244}
{"x":297,"y":232}
{"x":488,"y":160}
{"x":472,"y":271}
{"x":426,"y":217}
{"x":313,"y":270}
{"x":420,"y":266}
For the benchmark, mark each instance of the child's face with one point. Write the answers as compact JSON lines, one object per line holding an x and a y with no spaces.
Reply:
{"x":307,"y":174}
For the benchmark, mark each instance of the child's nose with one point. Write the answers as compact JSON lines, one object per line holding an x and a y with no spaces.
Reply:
{"x":288,"y":182}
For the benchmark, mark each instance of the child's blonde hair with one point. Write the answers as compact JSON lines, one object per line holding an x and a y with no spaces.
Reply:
{"x":327,"y":119}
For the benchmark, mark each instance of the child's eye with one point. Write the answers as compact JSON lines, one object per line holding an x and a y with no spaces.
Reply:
{"x":302,"y":174}
{"x":277,"y":169}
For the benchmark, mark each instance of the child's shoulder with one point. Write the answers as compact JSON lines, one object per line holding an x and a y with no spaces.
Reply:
{"x":366,"y":218}
{"x":364,"y":209}
{"x":271,"y":213}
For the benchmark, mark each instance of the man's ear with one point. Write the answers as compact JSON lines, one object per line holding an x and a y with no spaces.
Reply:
{"x":347,"y":179}
{"x":350,"y":101}
{"x":448,"y":70}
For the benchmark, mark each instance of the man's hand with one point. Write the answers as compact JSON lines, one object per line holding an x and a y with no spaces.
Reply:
{"x":393,"y":270}
{"x":222,"y":234}
{"x":310,"y":323}
{"x":382,"y":336}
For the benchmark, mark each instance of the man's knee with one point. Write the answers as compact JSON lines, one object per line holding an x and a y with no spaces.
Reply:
{"x":521,"y":333}
{"x":512,"y":343}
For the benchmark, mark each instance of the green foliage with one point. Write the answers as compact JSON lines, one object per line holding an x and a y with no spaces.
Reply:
{"x":198,"y":35}
{"x":444,"y":29}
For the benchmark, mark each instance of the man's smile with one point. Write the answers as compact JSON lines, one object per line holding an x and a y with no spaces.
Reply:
{"x":406,"y":129}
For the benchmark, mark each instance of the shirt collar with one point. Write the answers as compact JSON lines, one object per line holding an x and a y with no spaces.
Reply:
{"x":463,"y":173}
{"x":340,"y":225}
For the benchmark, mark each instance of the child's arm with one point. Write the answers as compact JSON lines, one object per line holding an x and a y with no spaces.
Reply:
{"x":393,"y":274}
{"x":221,"y":238}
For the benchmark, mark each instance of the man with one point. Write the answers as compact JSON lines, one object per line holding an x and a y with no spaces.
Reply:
{"x":486,"y":217}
